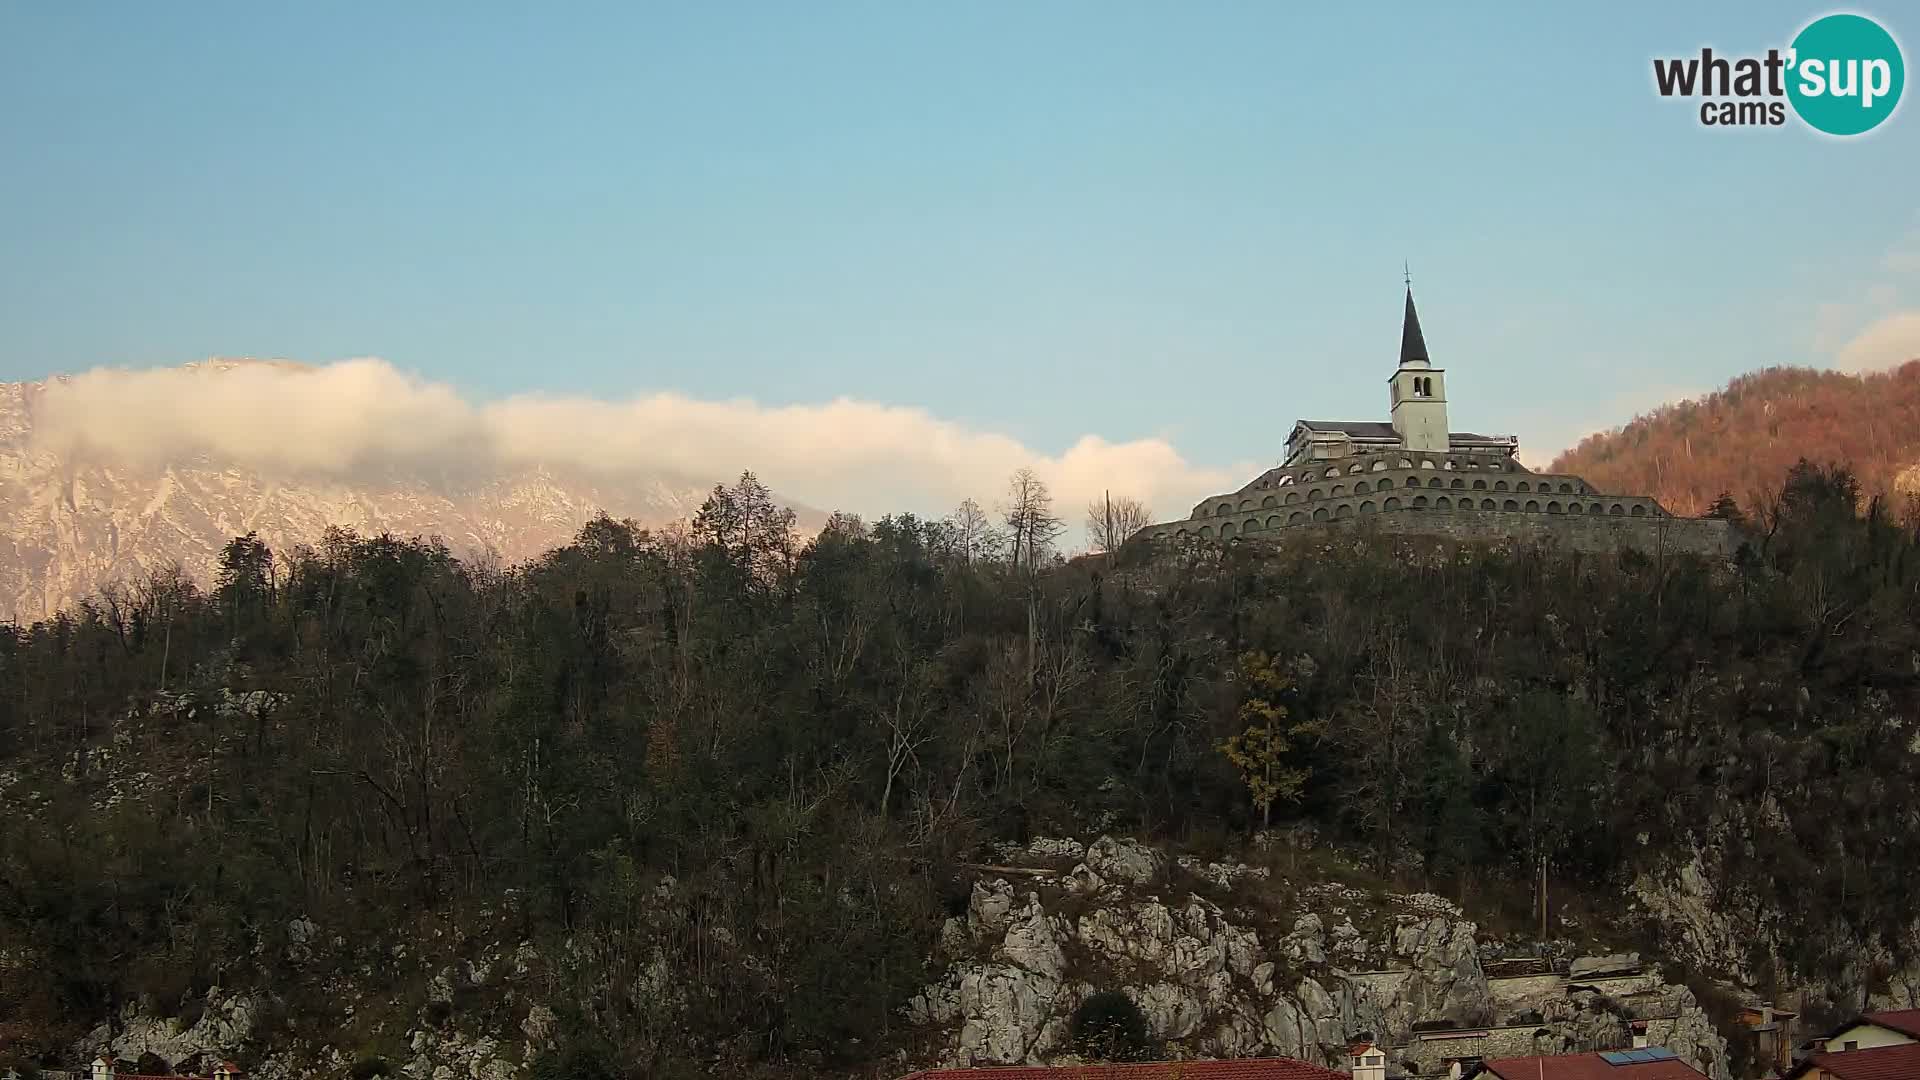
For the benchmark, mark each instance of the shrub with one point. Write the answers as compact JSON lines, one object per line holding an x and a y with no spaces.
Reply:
{"x":585,"y":1059}
{"x":1108,"y":1025}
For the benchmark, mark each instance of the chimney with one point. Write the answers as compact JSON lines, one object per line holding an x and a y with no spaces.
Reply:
{"x":1369,"y":1062}
{"x":102,"y":1068}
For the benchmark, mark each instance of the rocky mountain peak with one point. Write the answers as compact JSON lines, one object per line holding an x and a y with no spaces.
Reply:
{"x":71,"y":526}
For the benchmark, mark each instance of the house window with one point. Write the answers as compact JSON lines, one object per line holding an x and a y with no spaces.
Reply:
{"x":1851,"y":1044}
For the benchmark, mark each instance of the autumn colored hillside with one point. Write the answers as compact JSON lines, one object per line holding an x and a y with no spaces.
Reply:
{"x":1742,"y":439}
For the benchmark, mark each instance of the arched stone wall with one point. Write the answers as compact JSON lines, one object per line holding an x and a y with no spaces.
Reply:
{"x":1385,"y":473}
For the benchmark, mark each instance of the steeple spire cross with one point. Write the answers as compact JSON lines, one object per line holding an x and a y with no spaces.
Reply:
{"x":1408,"y":268}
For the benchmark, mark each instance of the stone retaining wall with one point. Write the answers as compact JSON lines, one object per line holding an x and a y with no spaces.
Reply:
{"x":1432,"y":1053}
{"x":1595,"y":534}
{"x":1513,"y":993}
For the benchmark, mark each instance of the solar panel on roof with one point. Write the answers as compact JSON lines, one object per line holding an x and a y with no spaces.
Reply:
{"x":1638,"y":1057}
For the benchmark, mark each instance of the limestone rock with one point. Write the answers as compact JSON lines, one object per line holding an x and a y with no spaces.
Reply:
{"x":1596,"y":967}
{"x":1289,"y":1031}
{"x":1057,"y":848}
{"x":524,"y":958}
{"x":1446,"y":979}
{"x":1348,"y":943}
{"x":1208,"y":984}
{"x":1082,"y":879}
{"x":1307,"y":944}
{"x":1222,"y":875}
{"x":1141,"y":933}
{"x":1187,"y":944}
{"x":1004,"y":1011}
{"x":1698,"y":914}
{"x":1032,"y":943}
{"x":1263,"y":978}
{"x":1172,"y":1011}
{"x":1125,"y":860}
{"x":990,"y":909}
{"x":299,"y":932}
{"x":224,"y":1025}
{"x":1694,"y":1039}
{"x":1238,"y":1034}
{"x":539,"y":1025}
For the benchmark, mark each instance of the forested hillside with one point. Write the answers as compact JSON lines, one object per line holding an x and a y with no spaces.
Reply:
{"x":747,"y":770}
{"x":1740,"y":440}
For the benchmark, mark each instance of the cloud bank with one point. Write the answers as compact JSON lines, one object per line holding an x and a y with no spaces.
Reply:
{"x":1888,"y":342}
{"x":1881,"y":329}
{"x":359,"y":418}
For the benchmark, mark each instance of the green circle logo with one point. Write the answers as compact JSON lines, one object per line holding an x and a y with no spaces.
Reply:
{"x":1846,"y":74}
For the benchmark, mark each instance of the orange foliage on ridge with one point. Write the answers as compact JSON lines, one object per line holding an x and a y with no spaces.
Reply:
{"x":1743,"y":439}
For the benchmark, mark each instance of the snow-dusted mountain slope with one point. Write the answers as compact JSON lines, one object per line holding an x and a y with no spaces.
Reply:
{"x":69,"y":526}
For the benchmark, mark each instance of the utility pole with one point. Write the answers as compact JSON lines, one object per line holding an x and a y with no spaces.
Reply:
{"x":1543,"y":899}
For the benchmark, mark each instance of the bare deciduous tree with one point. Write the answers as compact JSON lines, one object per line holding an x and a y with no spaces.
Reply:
{"x":1031,"y":524}
{"x":1110,"y":521}
{"x":975,"y":538}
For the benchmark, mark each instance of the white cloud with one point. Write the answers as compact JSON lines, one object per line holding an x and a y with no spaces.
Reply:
{"x":1888,"y":342}
{"x":352,"y":417}
{"x":1876,"y":330}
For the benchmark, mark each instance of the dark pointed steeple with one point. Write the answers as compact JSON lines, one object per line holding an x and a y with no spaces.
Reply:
{"x":1413,"y":347}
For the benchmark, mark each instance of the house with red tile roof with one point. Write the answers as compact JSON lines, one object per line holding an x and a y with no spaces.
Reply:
{"x":103,"y":1069}
{"x":1651,"y":1063}
{"x":1890,"y":1027}
{"x":1242,"y":1069}
{"x":1869,"y":1030}
{"x":1897,"y":1062}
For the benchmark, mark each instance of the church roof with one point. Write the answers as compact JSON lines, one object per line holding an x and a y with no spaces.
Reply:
{"x":1359,"y":429}
{"x":1377,"y":429}
{"x":1413,"y":345}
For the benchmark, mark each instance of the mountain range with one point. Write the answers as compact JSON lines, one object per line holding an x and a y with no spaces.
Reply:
{"x":69,"y":526}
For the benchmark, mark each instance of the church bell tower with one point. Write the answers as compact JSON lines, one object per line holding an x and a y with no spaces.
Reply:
{"x":1419,"y":390}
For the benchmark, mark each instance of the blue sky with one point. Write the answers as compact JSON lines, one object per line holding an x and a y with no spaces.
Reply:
{"x":1041,"y":220}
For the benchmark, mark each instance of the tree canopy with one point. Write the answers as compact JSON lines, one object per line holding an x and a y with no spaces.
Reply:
{"x":745,"y":766}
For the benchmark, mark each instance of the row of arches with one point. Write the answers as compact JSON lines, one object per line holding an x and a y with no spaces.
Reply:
{"x":1230,"y":529}
{"x":1381,"y":463}
{"x":1362,"y":487}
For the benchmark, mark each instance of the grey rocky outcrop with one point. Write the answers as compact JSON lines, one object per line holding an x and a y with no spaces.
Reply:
{"x":1119,"y":859}
{"x":1600,"y":967}
{"x":227,"y":1022}
{"x":1213,"y":980}
{"x":1712,"y":921}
